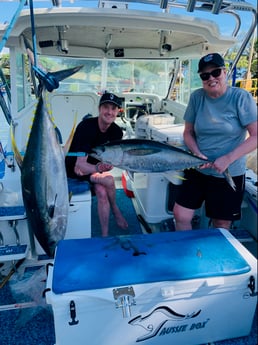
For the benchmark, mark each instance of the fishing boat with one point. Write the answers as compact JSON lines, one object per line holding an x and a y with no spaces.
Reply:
{"x":146,"y":52}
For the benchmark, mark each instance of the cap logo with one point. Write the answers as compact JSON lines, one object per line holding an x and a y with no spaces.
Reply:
{"x":208,"y":58}
{"x":111,"y":96}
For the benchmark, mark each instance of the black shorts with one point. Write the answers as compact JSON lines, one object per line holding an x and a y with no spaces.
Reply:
{"x":221,"y":201}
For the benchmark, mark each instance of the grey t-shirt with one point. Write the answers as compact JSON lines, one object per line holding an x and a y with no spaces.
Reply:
{"x":220,"y":124}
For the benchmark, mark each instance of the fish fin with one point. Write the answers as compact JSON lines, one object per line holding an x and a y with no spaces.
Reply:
{"x":70,"y":138}
{"x":58,"y":134}
{"x":180,"y":177}
{"x":51,"y":208}
{"x":130,"y":174}
{"x":51,"y":211}
{"x":17,"y":155}
{"x":229,"y":179}
{"x":142,"y":151}
{"x":173,"y":174}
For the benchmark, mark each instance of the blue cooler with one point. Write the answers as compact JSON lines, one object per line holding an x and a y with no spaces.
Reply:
{"x":180,"y":288}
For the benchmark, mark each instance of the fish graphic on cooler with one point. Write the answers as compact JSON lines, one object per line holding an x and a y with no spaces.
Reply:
{"x":155,"y":320}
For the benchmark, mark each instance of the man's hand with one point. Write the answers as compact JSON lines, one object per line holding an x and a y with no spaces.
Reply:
{"x":102,"y":167}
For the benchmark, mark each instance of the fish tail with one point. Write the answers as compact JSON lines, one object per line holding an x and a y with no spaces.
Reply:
{"x":229,"y":179}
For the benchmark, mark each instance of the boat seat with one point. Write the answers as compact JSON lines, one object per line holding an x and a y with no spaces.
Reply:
{"x":68,"y":108}
{"x":12,"y":212}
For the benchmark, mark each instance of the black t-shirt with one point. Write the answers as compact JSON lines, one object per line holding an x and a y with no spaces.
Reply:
{"x":87,"y":136}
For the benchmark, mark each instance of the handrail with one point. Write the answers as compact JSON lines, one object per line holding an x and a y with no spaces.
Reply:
{"x":250,"y":85}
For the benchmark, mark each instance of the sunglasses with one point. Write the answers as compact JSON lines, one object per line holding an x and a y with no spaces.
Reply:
{"x":215,"y":73}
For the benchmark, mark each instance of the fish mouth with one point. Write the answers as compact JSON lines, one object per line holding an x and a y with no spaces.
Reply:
{"x":97,"y":150}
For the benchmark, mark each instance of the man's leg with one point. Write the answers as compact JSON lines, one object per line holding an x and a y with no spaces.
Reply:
{"x":106,"y":193}
{"x":183,"y":217}
{"x":111,"y":193}
{"x":103,"y":208}
{"x":220,"y":223}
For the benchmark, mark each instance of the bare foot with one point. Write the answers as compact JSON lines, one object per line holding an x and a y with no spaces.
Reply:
{"x":120,"y":220}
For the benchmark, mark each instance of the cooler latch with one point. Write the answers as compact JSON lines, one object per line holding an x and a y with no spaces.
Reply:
{"x":251,"y":286}
{"x":73,"y":314}
{"x":125,"y":299}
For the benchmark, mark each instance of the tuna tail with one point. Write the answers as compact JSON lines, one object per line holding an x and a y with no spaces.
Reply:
{"x":47,"y":80}
{"x":65,"y":73}
{"x":229,"y":179}
{"x":50,"y":80}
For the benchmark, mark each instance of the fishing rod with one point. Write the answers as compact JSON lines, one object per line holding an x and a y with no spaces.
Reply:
{"x":47,"y":79}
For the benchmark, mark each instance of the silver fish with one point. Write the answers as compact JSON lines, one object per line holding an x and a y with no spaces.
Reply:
{"x":143,"y":155}
{"x":43,"y":176}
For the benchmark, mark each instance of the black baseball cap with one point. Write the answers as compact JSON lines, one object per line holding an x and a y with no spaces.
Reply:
{"x":211,"y":59}
{"x":110,"y":98}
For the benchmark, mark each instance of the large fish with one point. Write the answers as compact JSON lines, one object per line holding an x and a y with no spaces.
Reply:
{"x":43,"y":175}
{"x":143,"y":155}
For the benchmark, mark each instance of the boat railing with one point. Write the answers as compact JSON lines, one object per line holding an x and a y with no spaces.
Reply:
{"x":250,"y":85}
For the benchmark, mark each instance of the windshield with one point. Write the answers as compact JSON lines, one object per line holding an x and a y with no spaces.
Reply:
{"x":119,"y":76}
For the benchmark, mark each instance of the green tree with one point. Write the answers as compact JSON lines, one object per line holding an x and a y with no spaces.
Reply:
{"x":5,"y":66}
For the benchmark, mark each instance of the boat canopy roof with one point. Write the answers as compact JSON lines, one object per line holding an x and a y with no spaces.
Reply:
{"x":113,"y":30}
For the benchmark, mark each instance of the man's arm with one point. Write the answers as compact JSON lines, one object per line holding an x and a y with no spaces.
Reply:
{"x":82,"y":167}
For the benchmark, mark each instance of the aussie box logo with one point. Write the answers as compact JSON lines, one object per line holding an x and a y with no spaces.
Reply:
{"x":163,"y":320}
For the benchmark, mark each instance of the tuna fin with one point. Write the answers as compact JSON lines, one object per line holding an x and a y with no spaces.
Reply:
{"x":17,"y":155}
{"x":180,"y":177}
{"x":229,"y":179}
{"x":51,"y":209}
{"x":70,"y":138}
{"x":173,"y":176}
{"x":58,"y":134}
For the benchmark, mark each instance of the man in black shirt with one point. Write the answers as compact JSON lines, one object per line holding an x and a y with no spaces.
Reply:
{"x":89,"y":133}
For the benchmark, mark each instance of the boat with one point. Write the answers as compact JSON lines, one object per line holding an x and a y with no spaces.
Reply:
{"x":144,"y":51}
